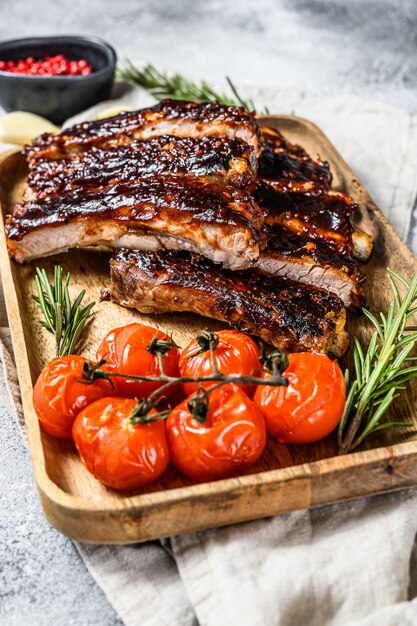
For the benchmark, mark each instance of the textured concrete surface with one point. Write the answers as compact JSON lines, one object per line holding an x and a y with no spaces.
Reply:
{"x":367,"y":47}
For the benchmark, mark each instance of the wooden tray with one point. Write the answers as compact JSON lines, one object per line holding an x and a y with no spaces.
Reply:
{"x":286,"y":478}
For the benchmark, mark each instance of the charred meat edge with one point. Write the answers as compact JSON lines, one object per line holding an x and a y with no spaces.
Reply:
{"x":289,"y":315}
{"x":222,"y":223}
{"x":322,"y":216}
{"x":217,"y":159}
{"x":288,"y":167}
{"x":168,"y":117}
{"x":304,"y":260}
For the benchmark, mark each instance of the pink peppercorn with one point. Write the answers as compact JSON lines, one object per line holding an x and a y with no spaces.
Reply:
{"x":56,"y":65}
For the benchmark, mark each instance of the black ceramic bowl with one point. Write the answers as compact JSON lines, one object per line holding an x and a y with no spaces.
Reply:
{"x":57,"y":97}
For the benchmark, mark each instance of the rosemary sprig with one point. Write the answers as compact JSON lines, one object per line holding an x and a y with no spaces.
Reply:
{"x":177,"y":87}
{"x":63,"y":318}
{"x":380,"y":372}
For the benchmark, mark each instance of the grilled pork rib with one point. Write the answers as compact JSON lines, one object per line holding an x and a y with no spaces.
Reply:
{"x":220,"y":222}
{"x":288,"y":167}
{"x":288,"y":315}
{"x":225,"y":161}
{"x":322,"y":216}
{"x":299,"y":258}
{"x":200,"y":179}
{"x":168,"y":117}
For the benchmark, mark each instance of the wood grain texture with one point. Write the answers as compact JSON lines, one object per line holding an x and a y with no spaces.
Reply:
{"x":286,"y":478}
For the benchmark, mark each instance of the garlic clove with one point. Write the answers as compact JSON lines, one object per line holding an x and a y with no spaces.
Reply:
{"x":20,"y":127}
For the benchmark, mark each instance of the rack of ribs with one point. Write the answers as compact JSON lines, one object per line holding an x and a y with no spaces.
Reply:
{"x":223,"y":223}
{"x":218,"y":159}
{"x":168,"y":117}
{"x":289,"y":315}
{"x":181,"y":187}
{"x":302,"y":259}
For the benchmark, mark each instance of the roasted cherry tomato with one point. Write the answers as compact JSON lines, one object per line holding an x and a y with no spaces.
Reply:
{"x":58,"y":395}
{"x":122,"y":455}
{"x":232,"y":438}
{"x":235,"y":354}
{"x":312,"y":404}
{"x":132,"y":349}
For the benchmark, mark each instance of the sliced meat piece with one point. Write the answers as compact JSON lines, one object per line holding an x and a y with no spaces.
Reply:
{"x":288,"y":167}
{"x":321,"y":216}
{"x":220,"y":222}
{"x":168,"y":117}
{"x":226,"y":161}
{"x":289,"y":315}
{"x":301,"y":259}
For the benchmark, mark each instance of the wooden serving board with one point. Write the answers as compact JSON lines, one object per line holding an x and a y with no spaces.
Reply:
{"x":284,"y":479}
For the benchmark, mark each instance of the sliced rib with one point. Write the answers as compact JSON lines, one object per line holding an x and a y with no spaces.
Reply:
{"x":225,"y":161}
{"x":168,"y":117}
{"x":299,"y":258}
{"x":321,"y":216}
{"x":288,"y":167}
{"x":220,"y":222}
{"x":288,"y":315}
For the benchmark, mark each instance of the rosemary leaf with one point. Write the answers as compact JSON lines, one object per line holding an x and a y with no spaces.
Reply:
{"x":380,"y":411}
{"x":77,"y":302}
{"x":62,"y":318}
{"x":395,"y":291}
{"x":390,"y":425}
{"x":347,"y":409}
{"x":358,"y":359}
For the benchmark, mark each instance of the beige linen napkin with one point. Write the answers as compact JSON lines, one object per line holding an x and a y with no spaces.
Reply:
{"x":353,"y":563}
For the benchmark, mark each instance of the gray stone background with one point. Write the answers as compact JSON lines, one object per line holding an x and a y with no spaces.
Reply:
{"x":366,"y":47}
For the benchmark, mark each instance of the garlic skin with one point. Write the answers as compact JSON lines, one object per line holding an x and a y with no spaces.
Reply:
{"x":20,"y":127}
